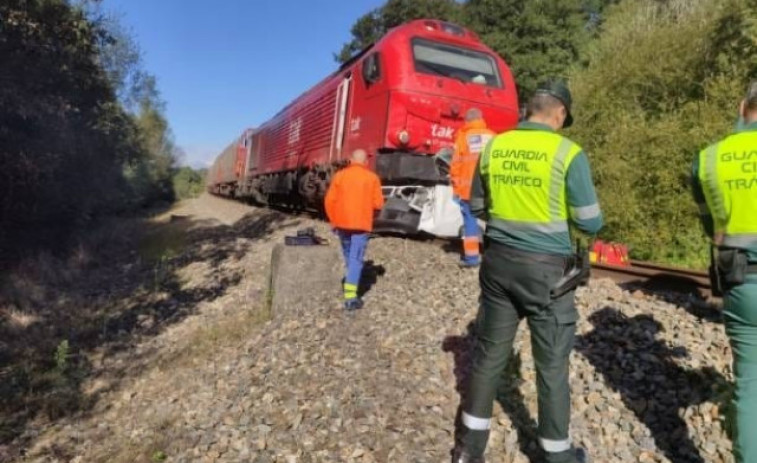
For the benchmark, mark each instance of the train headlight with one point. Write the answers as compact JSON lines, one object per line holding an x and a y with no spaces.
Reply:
{"x":404,"y":137}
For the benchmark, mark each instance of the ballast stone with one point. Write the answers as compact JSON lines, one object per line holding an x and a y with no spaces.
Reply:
{"x":300,"y":274}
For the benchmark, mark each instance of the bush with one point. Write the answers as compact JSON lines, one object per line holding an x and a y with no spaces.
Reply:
{"x":663,"y":81}
{"x":188,"y":183}
{"x":69,"y":150}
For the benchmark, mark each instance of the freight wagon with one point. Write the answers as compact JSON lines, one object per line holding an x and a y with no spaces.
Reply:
{"x":400,"y":99}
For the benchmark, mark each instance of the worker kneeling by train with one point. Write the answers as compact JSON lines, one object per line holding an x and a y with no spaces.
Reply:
{"x":527,"y":253}
{"x":353,"y":196}
{"x":726,"y":193}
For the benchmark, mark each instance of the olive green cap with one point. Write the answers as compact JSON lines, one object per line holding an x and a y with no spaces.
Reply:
{"x":557,"y":88}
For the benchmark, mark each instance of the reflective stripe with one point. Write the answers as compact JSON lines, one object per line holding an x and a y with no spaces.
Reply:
{"x":558,"y":226}
{"x":553,"y":446}
{"x":742,"y":240}
{"x":350,"y":291}
{"x":585,"y":212}
{"x":717,"y":208}
{"x":471,"y":245}
{"x":484,"y":160}
{"x":475,"y":423}
{"x":557,"y":184}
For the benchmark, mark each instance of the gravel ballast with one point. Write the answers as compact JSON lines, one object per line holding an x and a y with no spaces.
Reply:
{"x":650,"y":374}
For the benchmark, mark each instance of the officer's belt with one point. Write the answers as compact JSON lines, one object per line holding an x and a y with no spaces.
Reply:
{"x":537,"y":257}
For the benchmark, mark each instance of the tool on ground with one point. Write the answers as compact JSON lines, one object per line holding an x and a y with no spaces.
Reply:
{"x":304,"y":237}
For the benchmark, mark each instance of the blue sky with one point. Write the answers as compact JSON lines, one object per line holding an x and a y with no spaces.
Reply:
{"x":226,"y":65}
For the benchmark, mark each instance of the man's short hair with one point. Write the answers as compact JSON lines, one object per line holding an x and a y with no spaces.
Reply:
{"x":473,"y":114}
{"x":359,"y":155}
{"x":542,"y":103}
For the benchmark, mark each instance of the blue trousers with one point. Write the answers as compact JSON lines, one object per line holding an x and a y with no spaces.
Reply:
{"x":470,"y":234}
{"x":353,"y":249}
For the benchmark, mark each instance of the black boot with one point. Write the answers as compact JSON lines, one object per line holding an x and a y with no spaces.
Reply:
{"x":582,"y":456}
{"x":574,"y":455}
{"x":461,"y":456}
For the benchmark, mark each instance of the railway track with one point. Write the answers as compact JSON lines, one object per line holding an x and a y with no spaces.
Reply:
{"x":656,"y":277}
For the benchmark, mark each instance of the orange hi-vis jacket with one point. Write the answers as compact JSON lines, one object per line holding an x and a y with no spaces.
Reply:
{"x":470,"y":140}
{"x":353,"y":195}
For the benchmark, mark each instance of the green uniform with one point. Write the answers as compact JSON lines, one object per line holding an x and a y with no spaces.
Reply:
{"x":725,"y":187}
{"x":530,"y":183}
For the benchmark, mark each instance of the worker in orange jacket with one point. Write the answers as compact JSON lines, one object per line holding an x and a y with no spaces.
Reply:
{"x":353,"y":196}
{"x":469,"y":142}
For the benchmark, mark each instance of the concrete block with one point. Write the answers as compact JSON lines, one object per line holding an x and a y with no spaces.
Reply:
{"x":303,"y":275}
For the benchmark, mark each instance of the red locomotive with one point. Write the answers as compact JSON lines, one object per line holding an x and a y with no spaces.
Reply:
{"x":401,"y":100}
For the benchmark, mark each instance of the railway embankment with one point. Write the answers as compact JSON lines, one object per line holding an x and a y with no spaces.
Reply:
{"x":216,"y":379}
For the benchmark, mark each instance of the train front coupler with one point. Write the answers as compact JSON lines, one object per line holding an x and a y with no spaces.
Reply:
{"x":418,"y":197}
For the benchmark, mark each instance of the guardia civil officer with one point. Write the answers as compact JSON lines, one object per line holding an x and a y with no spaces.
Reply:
{"x":530,"y":183}
{"x":725,"y":187}
{"x":353,"y":195}
{"x":470,"y":140}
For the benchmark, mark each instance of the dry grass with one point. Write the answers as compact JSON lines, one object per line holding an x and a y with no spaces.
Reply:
{"x":120,"y":300}
{"x":151,"y":448}
{"x":207,"y":341}
{"x":203,"y":345}
{"x":165,"y":242}
{"x":49,"y":299}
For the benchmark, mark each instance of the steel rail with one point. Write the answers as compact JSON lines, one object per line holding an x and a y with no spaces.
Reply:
{"x":656,"y":276}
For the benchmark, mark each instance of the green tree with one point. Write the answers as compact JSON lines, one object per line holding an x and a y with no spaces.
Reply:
{"x":373,"y":25}
{"x":159,"y":159}
{"x":188,"y":183}
{"x":65,"y":137}
{"x":662,"y":83}
{"x":537,"y":38}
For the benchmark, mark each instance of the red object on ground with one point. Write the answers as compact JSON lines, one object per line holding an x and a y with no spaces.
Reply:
{"x":610,"y":253}
{"x":401,"y":99}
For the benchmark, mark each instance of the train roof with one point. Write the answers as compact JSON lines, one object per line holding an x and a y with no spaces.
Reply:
{"x":443,"y":28}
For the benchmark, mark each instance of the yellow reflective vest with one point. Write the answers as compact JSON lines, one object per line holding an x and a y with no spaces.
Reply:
{"x":728,"y":175}
{"x":525,"y":172}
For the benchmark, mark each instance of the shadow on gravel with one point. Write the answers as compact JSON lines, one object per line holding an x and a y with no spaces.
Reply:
{"x":369,"y":277}
{"x":508,"y":395}
{"x":683,"y":293}
{"x":643,"y":370}
{"x":66,"y":321}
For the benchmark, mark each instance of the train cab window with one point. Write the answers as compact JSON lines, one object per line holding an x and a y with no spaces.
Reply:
{"x":371,"y":69}
{"x":455,"y":62}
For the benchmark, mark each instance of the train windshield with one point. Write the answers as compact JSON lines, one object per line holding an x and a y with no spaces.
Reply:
{"x":455,"y":62}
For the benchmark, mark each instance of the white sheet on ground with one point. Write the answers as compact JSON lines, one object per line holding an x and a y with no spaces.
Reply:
{"x":441,"y":215}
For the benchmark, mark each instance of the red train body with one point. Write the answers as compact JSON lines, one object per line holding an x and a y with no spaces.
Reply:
{"x":401,"y":99}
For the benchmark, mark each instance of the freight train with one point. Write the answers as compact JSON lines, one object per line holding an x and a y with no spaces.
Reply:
{"x":400,"y":99}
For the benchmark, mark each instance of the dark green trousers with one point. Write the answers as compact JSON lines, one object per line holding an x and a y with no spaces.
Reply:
{"x":740,"y":313}
{"x":515,"y":285}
